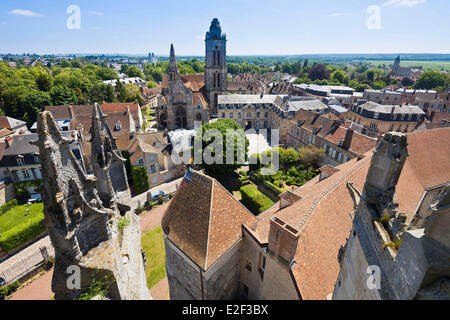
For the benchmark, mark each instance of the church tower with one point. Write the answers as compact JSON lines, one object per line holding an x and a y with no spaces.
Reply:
{"x":216,"y":63}
{"x":396,"y":65}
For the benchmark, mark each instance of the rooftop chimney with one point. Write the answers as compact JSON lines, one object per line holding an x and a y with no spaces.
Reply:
{"x":9,"y":141}
{"x":71,"y":113}
{"x":348,"y":139}
{"x":327,"y":171}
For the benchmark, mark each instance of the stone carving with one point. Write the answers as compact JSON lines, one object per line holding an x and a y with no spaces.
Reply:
{"x":82,"y":215}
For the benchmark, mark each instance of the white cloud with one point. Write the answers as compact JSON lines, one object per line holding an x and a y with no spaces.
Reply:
{"x":26,"y":13}
{"x":96,"y":13}
{"x":337,"y":14}
{"x":404,"y":3}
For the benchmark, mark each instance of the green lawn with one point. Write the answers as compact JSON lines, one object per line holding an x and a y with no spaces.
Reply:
{"x":153,"y":245}
{"x":18,"y":215}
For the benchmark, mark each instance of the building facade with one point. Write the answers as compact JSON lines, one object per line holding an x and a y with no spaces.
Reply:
{"x":385,"y":118}
{"x":340,"y":143}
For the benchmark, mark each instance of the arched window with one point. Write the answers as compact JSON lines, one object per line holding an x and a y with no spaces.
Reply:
{"x":181,"y":120}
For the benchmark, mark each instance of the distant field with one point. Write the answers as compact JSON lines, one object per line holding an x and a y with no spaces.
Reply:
{"x":433,"y":65}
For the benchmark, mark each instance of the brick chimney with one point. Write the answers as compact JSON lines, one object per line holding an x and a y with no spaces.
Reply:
{"x":9,"y":141}
{"x":71,"y":112}
{"x":348,"y":139}
{"x":283,"y":240}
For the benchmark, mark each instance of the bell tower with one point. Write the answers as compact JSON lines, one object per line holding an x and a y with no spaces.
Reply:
{"x":216,"y":63}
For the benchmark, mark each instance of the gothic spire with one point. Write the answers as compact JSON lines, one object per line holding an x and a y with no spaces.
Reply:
{"x":106,"y":159}
{"x":173,"y":66}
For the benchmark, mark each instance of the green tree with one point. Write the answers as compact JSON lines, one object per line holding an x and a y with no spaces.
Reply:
{"x":151,"y":84}
{"x":44,"y":82}
{"x":318,"y":72}
{"x":431,"y":79}
{"x":206,"y":143}
{"x":311,"y":156}
{"x":288,"y":156}
{"x":121,"y":93}
{"x":62,"y":95}
{"x":33,"y":103}
{"x":134,"y":71}
{"x":339,"y":76}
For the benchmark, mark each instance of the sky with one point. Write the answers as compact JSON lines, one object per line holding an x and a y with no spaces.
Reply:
{"x":253,"y":27}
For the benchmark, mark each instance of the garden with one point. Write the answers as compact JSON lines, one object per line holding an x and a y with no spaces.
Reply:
{"x":153,"y":246}
{"x":19,"y":224}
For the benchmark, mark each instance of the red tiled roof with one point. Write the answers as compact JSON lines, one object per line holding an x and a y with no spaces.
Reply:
{"x":195,"y":82}
{"x":63,"y":112}
{"x":322,"y":215}
{"x":210,"y":225}
{"x":427,"y":165}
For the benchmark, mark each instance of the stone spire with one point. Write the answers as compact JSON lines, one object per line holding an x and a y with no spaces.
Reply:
{"x":85,"y":234}
{"x":173,"y":66}
{"x":107,"y":161}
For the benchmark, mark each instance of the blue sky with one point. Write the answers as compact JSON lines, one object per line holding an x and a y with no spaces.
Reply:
{"x":252,"y":26}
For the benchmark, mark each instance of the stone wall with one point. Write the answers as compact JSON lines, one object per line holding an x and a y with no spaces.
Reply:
{"x":185,"y":279}
{"x":222,"y":278}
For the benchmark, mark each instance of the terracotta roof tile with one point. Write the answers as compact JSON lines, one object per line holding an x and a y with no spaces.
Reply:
{"x":212,"y":222}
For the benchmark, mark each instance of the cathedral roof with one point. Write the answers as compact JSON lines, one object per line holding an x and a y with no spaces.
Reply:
{"x":204,"y":220}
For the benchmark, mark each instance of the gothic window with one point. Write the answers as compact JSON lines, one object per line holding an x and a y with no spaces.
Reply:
{"x":181,"y":120}
{"x":141,"y":162}
{"x":199,"y":117}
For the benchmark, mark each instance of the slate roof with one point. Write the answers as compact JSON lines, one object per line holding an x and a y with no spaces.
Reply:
{"x":375,"y":107}
{"x":246,"y":99}
{"x":212,"y":222}
{"x":21,"y":146}
{"x":10,"y":123}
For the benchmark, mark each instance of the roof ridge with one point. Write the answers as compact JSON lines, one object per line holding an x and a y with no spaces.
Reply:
{"x":209,"y":223}
{"x":331,"y":188}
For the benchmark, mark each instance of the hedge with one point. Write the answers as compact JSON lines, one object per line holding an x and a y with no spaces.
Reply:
{"x":22,"y":233}
{"x":5,"y":291}
{"x":8,"y":206}
{"x":273,"y":187}
{"x":255,"y":200}
{"x":140,"y":179}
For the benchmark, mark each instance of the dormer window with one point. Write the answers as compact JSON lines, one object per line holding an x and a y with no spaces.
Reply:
{"x":118,"y":126}
{"x":19,"y":159}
